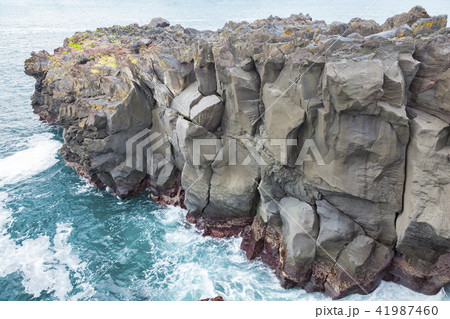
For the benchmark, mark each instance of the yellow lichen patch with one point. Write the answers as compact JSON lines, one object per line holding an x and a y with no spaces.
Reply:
{"x":54,"y":64}
{"x":429,"y":24}
{"x":88,"y":43}
{"x":122,"y":95}
{"x":287,"y":32}
{"x":96,"y":106}
{"x":51,"y":77}
{"x":285,"y":47}
{"x":95,"y":71}
{"x":108,"y":61}
{"x":133,"y":60}
{"x":101,"y":107}
{"x":75,"y":45}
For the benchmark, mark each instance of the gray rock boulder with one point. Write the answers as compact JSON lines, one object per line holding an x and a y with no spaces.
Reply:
{"x":242,"y":92}
{"x":159,"y":23}
{"x":424,"y":220}
{"x":398,"y":32}
{"x":233,"y":185}
{"x":208,"y":112}
{"x":350,"y":85}
{"x":205,"y":69}
{"x":300,"y":229}
{"x":336,"y":231}
{"x":183,"y":102}
{"x":409,"y":18}
{"x":430,"y":87}
{"x":359,"y":268}
{"x":426,"y":26}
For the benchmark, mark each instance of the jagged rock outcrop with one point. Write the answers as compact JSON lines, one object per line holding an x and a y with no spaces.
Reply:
{"x":326,"y":146}
{"x":424,"y":221}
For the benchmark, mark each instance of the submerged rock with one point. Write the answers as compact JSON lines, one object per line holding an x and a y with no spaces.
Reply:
{"x":326,"y":146}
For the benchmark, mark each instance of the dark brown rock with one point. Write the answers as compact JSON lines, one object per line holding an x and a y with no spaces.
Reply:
{"x":218,"y":298}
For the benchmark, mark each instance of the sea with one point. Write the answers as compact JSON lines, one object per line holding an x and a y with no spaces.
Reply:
{"x":63,"y":239}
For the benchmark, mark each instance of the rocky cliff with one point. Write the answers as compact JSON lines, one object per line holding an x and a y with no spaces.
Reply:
{"x":326,"y":146}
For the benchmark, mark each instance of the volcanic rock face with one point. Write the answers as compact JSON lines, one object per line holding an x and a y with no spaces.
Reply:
{"x":328,"y":146}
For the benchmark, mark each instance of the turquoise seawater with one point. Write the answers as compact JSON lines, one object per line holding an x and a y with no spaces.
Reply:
{"x":62,"y":239}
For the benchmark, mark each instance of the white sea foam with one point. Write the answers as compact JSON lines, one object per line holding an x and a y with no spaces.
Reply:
{"x":391,"y":291}
{"x":85,"y":187}
{"x":171,"y":215}
{"x":45,"y":264}
{"x":5,"y":216}
{"x":39,"y":156}
{"x":191,"y":281}
{"x":227,"y":272}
